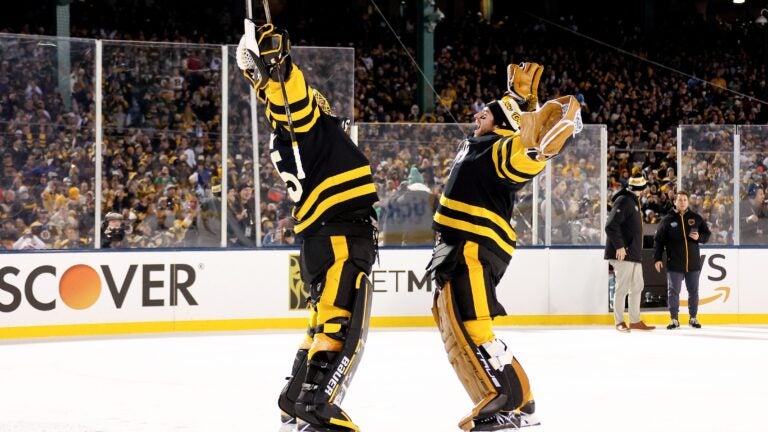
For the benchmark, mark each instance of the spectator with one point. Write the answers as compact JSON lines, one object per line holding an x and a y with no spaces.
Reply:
{"x":753,"y":223}
{"x":113,"y":231}
{"x":29,"y":241}
{"x":623,"y":248}
{"x":680,"y":233}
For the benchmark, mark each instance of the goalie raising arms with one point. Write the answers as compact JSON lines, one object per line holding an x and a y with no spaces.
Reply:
{"x":509,"y":147}
{"x":329,"y":180}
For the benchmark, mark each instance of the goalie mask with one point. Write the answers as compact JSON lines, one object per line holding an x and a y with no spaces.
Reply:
{"x":506,"y":114}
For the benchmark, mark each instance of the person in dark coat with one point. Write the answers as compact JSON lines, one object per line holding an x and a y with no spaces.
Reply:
{"x":623,"y":251}
{"x":680,"y":233}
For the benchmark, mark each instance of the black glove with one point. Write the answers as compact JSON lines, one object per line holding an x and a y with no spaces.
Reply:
{"x":275,"y":50}
{"x":263,"y":52}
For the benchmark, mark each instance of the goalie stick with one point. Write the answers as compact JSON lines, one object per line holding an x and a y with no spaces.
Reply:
{"x":251,"y":31}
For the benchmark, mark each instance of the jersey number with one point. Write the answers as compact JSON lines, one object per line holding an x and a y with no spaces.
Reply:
{"x":291,"y":181}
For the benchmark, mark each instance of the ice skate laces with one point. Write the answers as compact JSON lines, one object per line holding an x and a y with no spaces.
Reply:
{"x":511,"y":419}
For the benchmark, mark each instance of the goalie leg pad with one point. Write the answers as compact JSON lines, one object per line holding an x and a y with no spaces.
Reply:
{"x":492,"y":377}
{"x":330,"y":371}
{"x":292,"y":388}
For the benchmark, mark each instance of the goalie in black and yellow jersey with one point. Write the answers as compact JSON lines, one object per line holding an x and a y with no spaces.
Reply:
{"x":329,"y":180}
{"x":511,"y":144}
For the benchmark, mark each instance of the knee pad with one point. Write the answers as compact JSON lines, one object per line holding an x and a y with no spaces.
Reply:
{"x":330,"y":372}
{"x":492,"y":377}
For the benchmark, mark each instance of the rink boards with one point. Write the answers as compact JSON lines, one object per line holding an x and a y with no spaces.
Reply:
{"x":94,"y":293}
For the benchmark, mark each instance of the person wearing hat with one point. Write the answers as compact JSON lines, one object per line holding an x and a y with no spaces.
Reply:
{"x":510,"y":145}
{"x":112,"y":231}
{"x":680,"y":233}
{"x":753,"y":225}
{"x":623,"y":250}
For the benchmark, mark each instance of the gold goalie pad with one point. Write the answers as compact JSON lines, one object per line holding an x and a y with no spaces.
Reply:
{"x":461,"y":355}
{"x":545,"y":131}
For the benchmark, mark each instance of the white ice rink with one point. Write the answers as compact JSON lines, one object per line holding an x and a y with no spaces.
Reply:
{"x":584,"y":378}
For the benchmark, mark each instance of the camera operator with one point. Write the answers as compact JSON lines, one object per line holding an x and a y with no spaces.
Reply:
{"x":112,"y":231}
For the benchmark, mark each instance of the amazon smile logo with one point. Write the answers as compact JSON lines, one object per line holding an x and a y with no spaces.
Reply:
{"x":725,"y":292}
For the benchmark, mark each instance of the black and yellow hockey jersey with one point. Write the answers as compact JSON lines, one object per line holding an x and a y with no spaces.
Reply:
{"x":479,"y":197}
{"x":332,"y":176}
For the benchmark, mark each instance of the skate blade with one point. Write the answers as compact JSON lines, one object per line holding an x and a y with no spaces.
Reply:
{"x":289,"y":425}
{"x":529,"y":420}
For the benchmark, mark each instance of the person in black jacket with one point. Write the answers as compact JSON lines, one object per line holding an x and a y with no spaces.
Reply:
{"x":623,"y":251}
{"x":680,"y":233}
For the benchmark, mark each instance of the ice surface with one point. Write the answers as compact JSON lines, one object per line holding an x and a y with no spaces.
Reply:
{"x":584,"y":379}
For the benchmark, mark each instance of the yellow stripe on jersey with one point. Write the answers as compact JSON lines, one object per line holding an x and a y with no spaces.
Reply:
{"x":509,"y":155}
{"x":329,"y":183}
{"x":474,"y":229}
{"x":332,"y":200}
{"x":298,"y":91}
{"x":299,"y":128}
{"x":495,"y":157}
{"x":308,"y":105}
{"x":504,"y":152}
{"x":295,"y":87}
{"x":479,"y":212}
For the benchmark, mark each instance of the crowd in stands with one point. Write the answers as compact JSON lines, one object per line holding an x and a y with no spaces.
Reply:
{"x":162,"y":163}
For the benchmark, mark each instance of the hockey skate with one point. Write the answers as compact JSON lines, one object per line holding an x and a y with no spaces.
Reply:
{"x":527,"y":416}
{"x":302,"y":426}
{"x":288,"y":422}
{"x":500,"y":421}
{"x":528,"y":420}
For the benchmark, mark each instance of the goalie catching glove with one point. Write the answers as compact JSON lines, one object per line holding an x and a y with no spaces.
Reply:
{"x":523,"y":84}
{"x":264,"y":53}
{"x":546,"y":131}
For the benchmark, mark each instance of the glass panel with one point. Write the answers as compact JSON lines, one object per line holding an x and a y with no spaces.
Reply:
{"x":707,"y":175}
{"x":410,"y":164}
{"x":47,"y":136}
{"x":331,"y":72}
{"x":162,"y":133}
{"x":522,"y":220}
{"x":576,"y":190}
{"x":240,"y":199}
{"x":753,"y":211}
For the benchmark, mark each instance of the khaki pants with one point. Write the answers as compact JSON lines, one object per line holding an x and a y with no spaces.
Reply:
{"x":629,"y":281}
